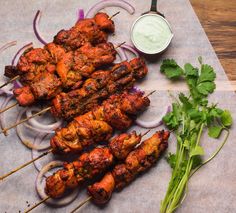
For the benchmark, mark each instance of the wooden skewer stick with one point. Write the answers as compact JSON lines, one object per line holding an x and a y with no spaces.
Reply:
{"x":119,"y":45}
{"x":9,"y":107}
{"x":8,"y":82}
{"x":25,"y":164}
{"x":37,"y":204}
{"x":114,"y":15}
{"x":149,"y":94}
{"x":26,"y":119}
{"x":81,"y":204}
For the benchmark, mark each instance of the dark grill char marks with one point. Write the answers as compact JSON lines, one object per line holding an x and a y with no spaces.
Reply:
{"x":97,"y":124}
{"x":138,"y":161}
{"x":99,"y":86}
{"x":90,"y":164}
{"x":69,"y":63}
{"x":93,"y":31}
{"x":67,"y":71}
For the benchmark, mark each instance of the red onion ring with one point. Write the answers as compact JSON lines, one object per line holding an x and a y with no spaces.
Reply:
{"x":6,"y":91}
{"x":35,"y":27}
{"x":7,"y":45}
{"x":121,"y":54}
{"x":39,"y":130}
{"x":131,"y":49}
{"x":5,"y":103}
{"x":24,"y":141}
{"x":20,"y":52}
{"x":40,"y":186}
{"x":17,"y":84}
{"x":38,"y":125}
{"x":35,"y":153}
{"x":109,"y":3}
{"x":4,"y":47}
{"x":80,"y":14}
{"x":154,"y":123}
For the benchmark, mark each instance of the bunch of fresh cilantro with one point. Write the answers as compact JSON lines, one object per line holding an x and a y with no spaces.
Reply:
{"x":190,"y":114}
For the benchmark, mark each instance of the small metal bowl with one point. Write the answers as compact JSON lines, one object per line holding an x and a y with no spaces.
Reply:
{"x":165,"y":46}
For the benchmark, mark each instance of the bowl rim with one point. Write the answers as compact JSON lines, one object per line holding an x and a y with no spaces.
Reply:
{"x":164,"y":46}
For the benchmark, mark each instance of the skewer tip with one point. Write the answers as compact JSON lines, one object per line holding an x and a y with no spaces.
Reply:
{"x":149,"y":94}
{"x":119,"y":45}
{"x":81,"y":204}
{"x":114,"y":15}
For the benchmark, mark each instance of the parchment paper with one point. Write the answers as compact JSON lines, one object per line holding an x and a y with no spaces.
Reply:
{"x":212,"y":189}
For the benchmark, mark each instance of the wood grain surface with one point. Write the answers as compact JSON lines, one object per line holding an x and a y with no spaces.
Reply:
{"x":218,"y":19}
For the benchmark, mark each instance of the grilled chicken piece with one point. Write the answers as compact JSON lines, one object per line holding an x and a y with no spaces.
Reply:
{"x":123,"y":144}
{"x":97,"y":124}
{"x":137,"y":161}
{"x":70,"y":69}
{"x":100,"y":85}
{"x":101,"y":192}
{"x":86,"y":30}
{"x":88,"y":166}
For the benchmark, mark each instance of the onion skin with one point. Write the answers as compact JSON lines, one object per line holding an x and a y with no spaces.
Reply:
{"x":80,"y":14}
{"x":20,"y":52}
{"x":39,"y":184}
{"x":121,"y":54}
{"x":37,"y":16}
{"x":152,"y":124}
{"x":110,"y":3}
{"x":131,"y":49}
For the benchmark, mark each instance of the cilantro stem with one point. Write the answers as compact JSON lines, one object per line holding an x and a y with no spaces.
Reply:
{"x":214,"y":155}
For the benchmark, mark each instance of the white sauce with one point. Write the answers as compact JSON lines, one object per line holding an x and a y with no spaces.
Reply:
{"x":151,"y":34}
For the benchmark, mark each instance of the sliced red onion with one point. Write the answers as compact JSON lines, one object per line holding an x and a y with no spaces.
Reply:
{"x":20,"y":52}
{"x":17,"y":84}
{"x":80,"y":14}
{"x":2,"y":115}
{"x":35,"y":27}
{"x":40,"y":184}
{"x":39,"y":130}
{"x":121,"y":54}
{"x":7,"y":45}
{"x":110,"y":3}
{"x":6,"y":91}
{"x":155,"y":123}
{"x":35,"y":153}
{"x":25,"y":141}
{"x":136,"y":89}
{"x":38,"y":125}
{"x":131,"y":49}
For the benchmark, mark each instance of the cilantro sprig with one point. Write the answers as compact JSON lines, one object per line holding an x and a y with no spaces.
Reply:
{"x":191,"y":114}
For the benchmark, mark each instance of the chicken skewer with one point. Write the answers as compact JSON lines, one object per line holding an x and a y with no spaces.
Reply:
{"x":94,"y":126}
{"x":93,"y":164}
{"x":92,"y":30}
{"x":137,"y":162}
{"x":26,"y":91}
{"x":100,"y":86}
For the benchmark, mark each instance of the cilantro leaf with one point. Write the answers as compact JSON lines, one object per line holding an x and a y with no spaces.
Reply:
{"x":190,"y":70}
{"x":206,"y":87}
{"x":171,"y":69}
{"x":207,"y":73}
{"x":214,"y":131}
{"x":171,"y":159}
{"x":226,"y":118}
